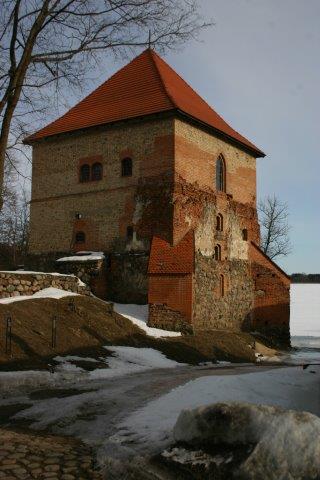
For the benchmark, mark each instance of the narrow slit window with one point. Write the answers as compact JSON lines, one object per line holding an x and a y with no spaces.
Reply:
{"x":126,"y":167}
{"x":245,"y":234}
{"x":129,"y":232}
{"x":217,"y":252}
{"x":219,"y":223}
{"x":221,"y":285}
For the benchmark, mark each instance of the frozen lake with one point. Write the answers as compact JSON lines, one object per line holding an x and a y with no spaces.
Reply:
{"x":305,"y":309}
{"x":305,"y":315}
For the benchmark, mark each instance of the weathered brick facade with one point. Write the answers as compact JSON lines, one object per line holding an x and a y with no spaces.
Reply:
{"x":206,"y":270}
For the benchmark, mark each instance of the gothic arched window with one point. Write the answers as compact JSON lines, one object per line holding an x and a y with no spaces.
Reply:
{"x":219,"y":225}
{"x":126,"y":167}
{"x":80,"y":237}
{"x":96,"y":171}
{"x":221,"y":174}
{"x":85,"y":173}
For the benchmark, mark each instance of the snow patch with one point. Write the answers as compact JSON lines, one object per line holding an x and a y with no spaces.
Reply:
{"x":128,"y":360}
{"x":138,"y":314}
{"x":83,"y":257}
{"x":49,"y":292}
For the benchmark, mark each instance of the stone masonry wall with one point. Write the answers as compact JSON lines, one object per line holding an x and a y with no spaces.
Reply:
{"x":211,"y":310}
{"x":271,"y":313}
{"x":127,"y":278}
{"x":91,"y":272}
{"x":161,"y":316}
{"x":15,"y":284}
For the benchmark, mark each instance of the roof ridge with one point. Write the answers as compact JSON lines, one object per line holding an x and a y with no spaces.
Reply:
{"x":191,"y":88}
{"x":163,"y":83}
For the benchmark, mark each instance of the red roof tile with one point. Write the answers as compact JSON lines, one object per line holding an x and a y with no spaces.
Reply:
{"x":145,"y":86}
{"x":167,"y":259}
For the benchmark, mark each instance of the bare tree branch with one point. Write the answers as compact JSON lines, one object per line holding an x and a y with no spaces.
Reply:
{"x":50,"y":46}
{"x":273,"y":218}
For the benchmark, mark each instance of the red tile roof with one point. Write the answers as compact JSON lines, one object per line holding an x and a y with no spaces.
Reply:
{"x":145,"y":86}
{"x":167,"y":259}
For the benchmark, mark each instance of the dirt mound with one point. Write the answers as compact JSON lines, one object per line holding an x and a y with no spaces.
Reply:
{"x":85,"y":324}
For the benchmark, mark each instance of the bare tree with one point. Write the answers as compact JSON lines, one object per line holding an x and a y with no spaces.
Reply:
{"x":273,"y":218}
{"x":14,"y":220}
{"x":48,"y":46}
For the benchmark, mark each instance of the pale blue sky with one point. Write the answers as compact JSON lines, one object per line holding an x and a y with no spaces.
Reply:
{"x":259,"y":68}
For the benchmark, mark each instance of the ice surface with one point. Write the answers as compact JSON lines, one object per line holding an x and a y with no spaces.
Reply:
{"x":305,"y":309}
{"x":293,"y":388}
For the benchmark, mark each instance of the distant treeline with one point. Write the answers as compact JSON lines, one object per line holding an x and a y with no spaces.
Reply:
{"x":305,"y":278}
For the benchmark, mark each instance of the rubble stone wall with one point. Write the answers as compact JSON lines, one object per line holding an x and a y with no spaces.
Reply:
{"x":228,"y":311}
{"x":15,"y":284}
{"x":161,"y":316}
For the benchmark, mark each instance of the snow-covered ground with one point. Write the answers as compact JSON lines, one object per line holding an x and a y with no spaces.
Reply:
{"x":49,"y":292}
{"x":138,"y":314}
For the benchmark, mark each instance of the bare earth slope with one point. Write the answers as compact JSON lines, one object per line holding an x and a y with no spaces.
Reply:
{"x":92,"y":324}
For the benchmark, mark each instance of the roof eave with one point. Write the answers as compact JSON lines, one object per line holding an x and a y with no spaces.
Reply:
{"x":31,"y":139}
{"x":255,"y":151}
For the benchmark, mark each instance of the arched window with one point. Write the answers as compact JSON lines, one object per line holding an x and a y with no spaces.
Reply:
{"x":130,"y":232}
{"x":219,"y":225}
{"x":245,"y":234}
{"x":85,"y":173}
{"x":80,"y":237}
{"x":221,"y":286}
{"x":96,"y":171}
{"x":217,"y":252}
{"x":221,"y":174}
{"x":126,"y":167}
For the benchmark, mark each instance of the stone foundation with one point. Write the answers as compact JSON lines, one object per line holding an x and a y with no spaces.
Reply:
{"x":161,"y":316}
{"x":91,"y":272}
{"x":127,"y":278}
{"x":15,"y":284}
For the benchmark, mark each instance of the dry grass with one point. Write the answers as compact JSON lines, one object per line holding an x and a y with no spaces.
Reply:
{"x":85,"y":330}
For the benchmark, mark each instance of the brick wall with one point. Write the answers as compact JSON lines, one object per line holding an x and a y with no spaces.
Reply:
{"x":271,"y":313}
{"x":108,"y":206}
{"x":174,"y":291}
{"x":196,"y":152}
